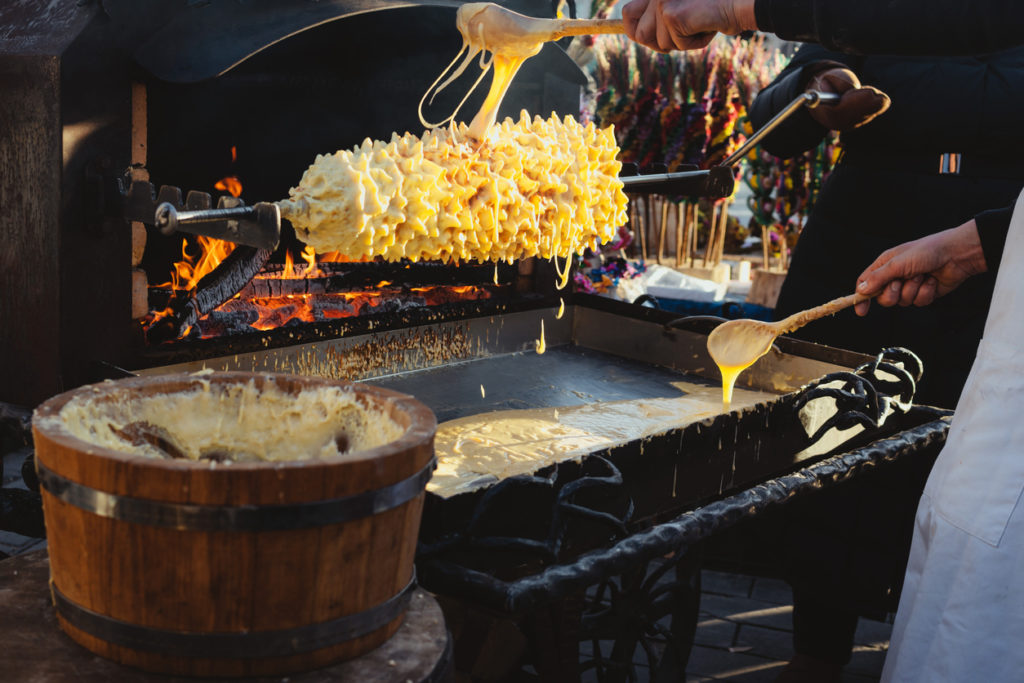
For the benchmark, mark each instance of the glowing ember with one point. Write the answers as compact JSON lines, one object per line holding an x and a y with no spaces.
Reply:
{"x":201,"y":255}
{"x":266,"y":313}
{"x":248,"y":313}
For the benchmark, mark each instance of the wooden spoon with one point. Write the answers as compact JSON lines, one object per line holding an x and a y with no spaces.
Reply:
{"x":737,"y":344}
{"x":500,"y":30}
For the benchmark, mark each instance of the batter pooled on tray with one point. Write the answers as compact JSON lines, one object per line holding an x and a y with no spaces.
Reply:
{"x":232,"y":423}
{"x":479,"y":450}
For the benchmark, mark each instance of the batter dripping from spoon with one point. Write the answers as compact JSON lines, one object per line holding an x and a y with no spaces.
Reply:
{"x":737,"y":344}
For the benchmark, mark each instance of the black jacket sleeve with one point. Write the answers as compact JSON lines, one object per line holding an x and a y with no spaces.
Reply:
{"x":911,"y":27}
{"x":993,"y":227}
{"x":799,"y":132}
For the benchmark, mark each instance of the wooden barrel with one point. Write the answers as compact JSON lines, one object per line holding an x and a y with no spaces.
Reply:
{"x":263,"y":568}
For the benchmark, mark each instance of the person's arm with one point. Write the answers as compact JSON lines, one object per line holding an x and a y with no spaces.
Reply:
{"x":993,"y":227}
{"x":799,"y":132}
{"x":918,"y":27}
{"x":911,"y":27}
{"x":814,"y":68}
{"x":916,"y":273}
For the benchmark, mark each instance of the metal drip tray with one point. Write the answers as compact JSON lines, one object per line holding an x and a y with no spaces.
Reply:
{"x":601,"y":355}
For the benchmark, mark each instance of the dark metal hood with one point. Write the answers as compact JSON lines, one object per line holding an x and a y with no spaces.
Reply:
{"x":185,"y":41}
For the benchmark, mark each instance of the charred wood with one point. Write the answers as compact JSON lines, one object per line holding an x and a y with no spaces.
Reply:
{"x":335,"y":277}
{"x":233,"y":273}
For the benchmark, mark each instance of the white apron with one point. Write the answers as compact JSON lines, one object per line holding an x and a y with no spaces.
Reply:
{"x":961,"y":614}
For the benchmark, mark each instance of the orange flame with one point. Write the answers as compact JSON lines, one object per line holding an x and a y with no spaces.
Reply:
{"x":189,"y":271}
{"x":309,"y":256}
{"x":155,"y":316}
{"x":333,"y":257}
{"x":231,"y":185}
{"x":289,"y":266}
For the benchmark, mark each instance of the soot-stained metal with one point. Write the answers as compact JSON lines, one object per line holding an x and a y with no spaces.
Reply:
{"x":522,"y":524}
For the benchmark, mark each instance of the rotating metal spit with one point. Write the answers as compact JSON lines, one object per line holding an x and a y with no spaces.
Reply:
{"x":259,"y":225}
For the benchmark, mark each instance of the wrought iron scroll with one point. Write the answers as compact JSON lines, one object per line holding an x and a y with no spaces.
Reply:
{"x":548,"y":483}
{"x":562,"y":580}
{"x":867,"y":395}
{"x":654,"y":607}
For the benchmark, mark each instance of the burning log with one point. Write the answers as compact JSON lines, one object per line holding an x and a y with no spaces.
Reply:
{"x":220,"y":323}
{"x":224,"y":282}
{"x":233,"y":273}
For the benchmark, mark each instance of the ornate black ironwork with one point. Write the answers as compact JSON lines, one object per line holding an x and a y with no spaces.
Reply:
{"x":927,"y":431}
{"x":867,"y":395}
{"x":553,"y":484}
{"x":652,"y":607}
{"x":533,"y":517}
{"x":631,"y":601}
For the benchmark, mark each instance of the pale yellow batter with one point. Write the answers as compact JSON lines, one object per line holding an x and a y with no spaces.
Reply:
{"x":477,"y":451}
{"x":536,"y":188}
{"x":737,"y":344}
{"x":231,"y":423}
{"x":508,"y":52}
{"x":736,"y":348}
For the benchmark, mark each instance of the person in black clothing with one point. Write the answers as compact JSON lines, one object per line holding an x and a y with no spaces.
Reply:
{"x":951,"y":625}
{"x":935,"y":158}
{"x":907,"y":27}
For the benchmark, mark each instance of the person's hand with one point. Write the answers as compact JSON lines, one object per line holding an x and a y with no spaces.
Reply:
{"x":918,"y":272}
{"x":858,"y":104}
{"x":666,"y":25}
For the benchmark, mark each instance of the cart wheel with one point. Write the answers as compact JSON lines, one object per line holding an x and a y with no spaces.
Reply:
{"x":643,"y":620}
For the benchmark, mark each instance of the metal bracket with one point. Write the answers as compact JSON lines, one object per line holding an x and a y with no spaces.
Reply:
{"x":713,"y":183}
{"x":256,"y":226}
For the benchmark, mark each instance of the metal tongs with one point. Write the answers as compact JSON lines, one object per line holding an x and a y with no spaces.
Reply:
{"x":720,"y":181}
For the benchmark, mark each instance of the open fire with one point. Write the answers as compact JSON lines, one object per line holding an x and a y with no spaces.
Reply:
{"x":292,"y":294}
{"x":309,"y":289}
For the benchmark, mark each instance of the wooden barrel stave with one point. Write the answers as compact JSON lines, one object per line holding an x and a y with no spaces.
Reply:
{"x":228,"y":582}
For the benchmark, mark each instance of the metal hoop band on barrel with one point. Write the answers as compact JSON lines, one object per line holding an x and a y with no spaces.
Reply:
{"x":189,"y":517}
{"x":241,"y":645}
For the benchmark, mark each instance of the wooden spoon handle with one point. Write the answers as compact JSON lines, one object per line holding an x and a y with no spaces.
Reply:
{"x":801,"y":318}
{"x":582,"y":27}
